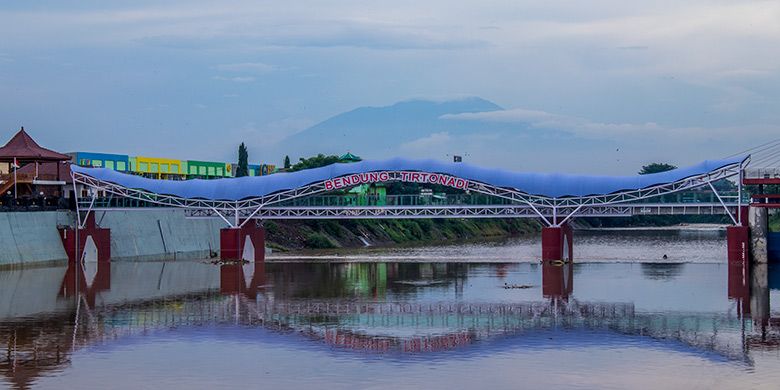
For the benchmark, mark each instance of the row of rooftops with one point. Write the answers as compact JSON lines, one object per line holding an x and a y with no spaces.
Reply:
{"x":22,"y":149}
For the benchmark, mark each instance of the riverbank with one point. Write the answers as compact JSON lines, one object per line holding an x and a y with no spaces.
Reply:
{"x":32,"y":238}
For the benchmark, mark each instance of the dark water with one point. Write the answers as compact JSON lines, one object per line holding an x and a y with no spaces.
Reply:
{"x":379,"y":324}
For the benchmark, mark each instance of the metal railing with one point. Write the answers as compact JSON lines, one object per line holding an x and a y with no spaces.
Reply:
{"x":473,"y":200}
{"x":356,"y":200}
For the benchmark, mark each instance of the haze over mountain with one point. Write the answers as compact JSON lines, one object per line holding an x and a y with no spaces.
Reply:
{"x":379,"y":131}
{"x":487,"y":134}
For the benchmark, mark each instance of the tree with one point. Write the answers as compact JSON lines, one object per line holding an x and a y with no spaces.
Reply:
{"x":243,"y":163}
{"x":656,"y":168}
{"x":317,"y":161}
{"x":286,"y":162}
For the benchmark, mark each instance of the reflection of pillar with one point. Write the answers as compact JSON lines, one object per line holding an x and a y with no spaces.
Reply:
{"x":557,"y":279}
{"x":241,"y":279}
{"x":91,"y":239}
{"x":76,"y":281}
{"x":557,"y":243}
{"x":759,"y":293}
{"x":739,"y":273}
{"x":244,"y":243}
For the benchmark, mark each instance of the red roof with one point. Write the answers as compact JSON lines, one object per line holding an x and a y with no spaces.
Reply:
{"x":23,"y":147}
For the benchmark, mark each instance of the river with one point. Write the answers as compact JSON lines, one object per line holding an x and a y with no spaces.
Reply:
{"x":467,"y":315}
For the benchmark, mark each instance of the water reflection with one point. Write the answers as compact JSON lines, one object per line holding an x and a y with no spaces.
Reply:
{"x":86,"y":281}
{"x":662,"y":271}
{"x":557,"y":279}
{"x":394,"y":309}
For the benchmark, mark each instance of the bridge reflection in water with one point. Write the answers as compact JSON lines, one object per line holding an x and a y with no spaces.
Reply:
{"x":394,"y":308}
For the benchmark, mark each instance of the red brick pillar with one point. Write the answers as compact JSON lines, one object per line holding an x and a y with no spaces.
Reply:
{"x":557,"y":243}
{"x":232,"y":242}
{"x":738,"y":243}
{"x":100,"y":236}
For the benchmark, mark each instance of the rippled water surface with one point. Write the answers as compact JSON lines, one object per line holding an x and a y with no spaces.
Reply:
{"x":679,"y":245}
{"x":619,"y":319}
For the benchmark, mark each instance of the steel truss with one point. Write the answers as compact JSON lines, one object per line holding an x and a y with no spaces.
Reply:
{"x":493,"y":211}
{"x":553,"y":211}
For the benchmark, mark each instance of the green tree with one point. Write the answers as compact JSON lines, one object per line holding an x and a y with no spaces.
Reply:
{"x":317,"y":161}
{"x":656,"y":168}
{"x":286,"y":162}
{"x":243,"y":161}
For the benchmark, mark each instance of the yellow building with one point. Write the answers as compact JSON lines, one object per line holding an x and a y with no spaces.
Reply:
{"x":157,"y":167}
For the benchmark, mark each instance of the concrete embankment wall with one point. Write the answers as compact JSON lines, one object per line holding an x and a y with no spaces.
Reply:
{"x":159,"y":235}
{"x":31,"y":238}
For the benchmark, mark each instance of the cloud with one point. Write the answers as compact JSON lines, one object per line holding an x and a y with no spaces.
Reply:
{"x":578,"y":126}
{"x":607,"y":70}
{"x":253,"y":67}
{"x":425,"y":144}
{"x":236,"y":79}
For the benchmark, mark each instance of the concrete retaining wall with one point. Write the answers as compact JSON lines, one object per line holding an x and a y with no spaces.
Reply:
{"x":31,"y":238}
{"x":159,"y":235}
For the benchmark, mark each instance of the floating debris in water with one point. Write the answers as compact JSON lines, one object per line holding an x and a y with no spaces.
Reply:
{"x":516,"y":286}
{"x":225,"y":262}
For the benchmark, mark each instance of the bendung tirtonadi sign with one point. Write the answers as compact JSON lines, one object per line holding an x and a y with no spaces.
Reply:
{"x":405,"y":176}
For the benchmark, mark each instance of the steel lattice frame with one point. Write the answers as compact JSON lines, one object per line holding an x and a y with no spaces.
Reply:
{"x":493,"y":211}
{"x":554,"y":211}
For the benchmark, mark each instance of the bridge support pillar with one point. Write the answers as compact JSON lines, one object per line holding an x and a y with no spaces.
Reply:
{"x":758,"y":234}
{"x":94,"y":243}
{"x":557,"y":243}
{"x":738,"y":244}
{"x":244,"y":243}
{"x":739,"y":267}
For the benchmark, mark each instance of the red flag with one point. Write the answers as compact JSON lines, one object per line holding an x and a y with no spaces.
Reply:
{"x":15,"y":164}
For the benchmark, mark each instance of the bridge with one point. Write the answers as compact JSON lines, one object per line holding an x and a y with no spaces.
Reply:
{"x":554,"y":198}
{"x":321,"y":193}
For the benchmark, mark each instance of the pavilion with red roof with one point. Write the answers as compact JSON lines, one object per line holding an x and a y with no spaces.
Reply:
{"x":25,"y":165}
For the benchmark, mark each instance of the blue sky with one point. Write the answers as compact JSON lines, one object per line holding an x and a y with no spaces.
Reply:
{"x":668,"y":80}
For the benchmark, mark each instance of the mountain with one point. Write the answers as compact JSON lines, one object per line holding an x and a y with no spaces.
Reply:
{"x":377,"y":132}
